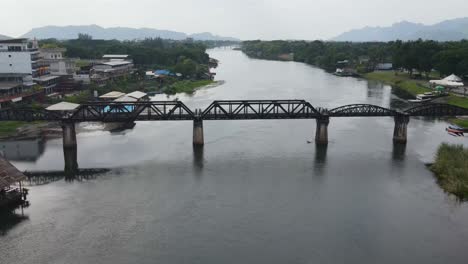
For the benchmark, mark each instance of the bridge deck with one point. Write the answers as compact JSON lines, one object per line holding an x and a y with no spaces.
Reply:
{"x":219,"y":110}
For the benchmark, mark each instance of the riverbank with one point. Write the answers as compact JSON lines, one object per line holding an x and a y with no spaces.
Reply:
{"x":451,"y":169}
{"x":186,"y":86}
{"x":22,"y":130}
{"x":412,"y":86}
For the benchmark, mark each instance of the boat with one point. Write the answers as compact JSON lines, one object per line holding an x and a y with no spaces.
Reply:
{"x":455,"y":131}
{"x":465,"y":130}
{"x":418,"y":100}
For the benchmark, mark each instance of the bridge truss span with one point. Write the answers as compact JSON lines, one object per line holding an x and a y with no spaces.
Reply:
{"x":260,"y":109}
{"x":28,"y":115}
{"x":132,"y":111}
{"x":356,"y":110}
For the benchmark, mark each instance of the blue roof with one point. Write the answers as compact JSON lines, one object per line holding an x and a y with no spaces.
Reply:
{"x":163,"y":72}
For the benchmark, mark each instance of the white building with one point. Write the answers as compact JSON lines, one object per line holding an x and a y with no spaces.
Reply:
{"x":20,"y":61}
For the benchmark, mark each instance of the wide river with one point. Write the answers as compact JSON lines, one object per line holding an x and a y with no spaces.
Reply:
{"x":257,"y":193}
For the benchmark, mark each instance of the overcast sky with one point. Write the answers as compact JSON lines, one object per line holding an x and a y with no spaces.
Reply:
{"x":245,"y":19}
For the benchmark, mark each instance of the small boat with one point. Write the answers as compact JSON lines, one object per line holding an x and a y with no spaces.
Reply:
{"x":455,"y":131}
{"x":455,"y":127}
{"x":419,"y":100}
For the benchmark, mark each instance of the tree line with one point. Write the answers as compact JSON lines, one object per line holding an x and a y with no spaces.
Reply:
{"x":187,"y":56}
{"x":422,"y":56}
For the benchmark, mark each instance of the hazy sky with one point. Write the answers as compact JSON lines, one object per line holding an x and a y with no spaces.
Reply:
{"x":245,"y":19}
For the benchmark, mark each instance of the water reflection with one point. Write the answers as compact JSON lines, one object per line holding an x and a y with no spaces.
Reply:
{"x":320,"y":158}
{"x":9,"y":220}
{"x":399,"y":152}
{"x":22,"y":150}
{"x":198,"y":160}
{"x":71,"y":161}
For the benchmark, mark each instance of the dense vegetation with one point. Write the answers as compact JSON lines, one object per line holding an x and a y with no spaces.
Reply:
{"x":451,"y":169}
{"x":155,"y":53}
{"x":423,"y":56}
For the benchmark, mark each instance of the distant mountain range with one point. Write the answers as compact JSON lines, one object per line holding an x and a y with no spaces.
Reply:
{"x":448,"y":30}
{"x":119,"y":33}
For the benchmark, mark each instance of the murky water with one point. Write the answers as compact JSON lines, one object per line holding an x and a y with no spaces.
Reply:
{"x":256,"y":193}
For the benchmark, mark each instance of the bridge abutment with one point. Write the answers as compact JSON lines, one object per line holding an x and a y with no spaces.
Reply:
{"x":321,"y":132}
{"x":400,"y":130}
{"x":198,"y":139}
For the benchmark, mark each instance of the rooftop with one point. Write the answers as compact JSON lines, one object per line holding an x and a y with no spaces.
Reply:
{"x":45,"y":78}
{"x":116,"y":63}
{"x":137,"y":94}
{"x":112,"y":95}
{"x":15,"y":40}
{"x":63,"y":106}
{"x":119,"y":56}
{"x":9,"y":85}
{"x":126,"y":98}
{"x":9,"y":175}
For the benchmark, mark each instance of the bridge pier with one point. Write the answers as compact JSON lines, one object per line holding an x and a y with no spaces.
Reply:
{"x":69,"y":148}
{"x":400,"y":130}
{"x":321,"y":132}
{"x":198,"y":139}
{"x":71,"y":160}
{"x":69,"y":134}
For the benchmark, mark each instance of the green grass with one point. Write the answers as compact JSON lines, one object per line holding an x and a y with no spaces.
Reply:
{"x":401,"y":81}
{"x":460,"y":122}
{"x":186,"y":86}
{"x":458,"y":101}
{"x":9,"y":128}
{"x":451,"y":169}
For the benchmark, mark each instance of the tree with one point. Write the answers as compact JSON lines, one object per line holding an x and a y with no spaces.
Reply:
{"x":84,"y":36}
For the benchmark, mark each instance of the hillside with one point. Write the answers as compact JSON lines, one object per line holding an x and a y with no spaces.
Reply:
{"x":449,"y":30}
{"x":119,"y":33}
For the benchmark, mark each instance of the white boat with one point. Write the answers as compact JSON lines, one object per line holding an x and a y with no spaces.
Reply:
{"x":418,"y":100}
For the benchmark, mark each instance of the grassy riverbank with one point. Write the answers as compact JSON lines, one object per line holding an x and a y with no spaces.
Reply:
{"x":404,"y":82}
{"x":186,"y":86}
{"x":11,"y":128}
{"x":451,"y":169}
{"x":8,"y":128}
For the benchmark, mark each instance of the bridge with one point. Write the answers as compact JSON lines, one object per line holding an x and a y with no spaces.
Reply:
{"x":126,"y":112}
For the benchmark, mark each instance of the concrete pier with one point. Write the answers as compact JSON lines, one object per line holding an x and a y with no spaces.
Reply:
{"x":321,"y":132}
{"x":400,"y":130}
{"x":70,"y":155}
{"x":69,"y":135}
{"x":198,"y":139}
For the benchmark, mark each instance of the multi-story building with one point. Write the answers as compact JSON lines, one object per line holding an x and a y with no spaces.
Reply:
{"x":112,"y":67}
{"x":23,"y":73}
{"x":58,"y":64}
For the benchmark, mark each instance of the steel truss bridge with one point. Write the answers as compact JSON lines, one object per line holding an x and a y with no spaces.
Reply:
{"x":219,"y":110}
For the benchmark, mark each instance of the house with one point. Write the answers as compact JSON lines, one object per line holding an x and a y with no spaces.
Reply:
{"x":58,"y":64}
{"x":12,"y":194}
{"x":110,"y":70}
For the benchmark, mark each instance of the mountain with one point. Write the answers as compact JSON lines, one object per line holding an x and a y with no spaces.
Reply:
{"x":449,"y":30}
{"x":2,"y":37}
{"x":209,"y":36}
{"x":120,"y":33}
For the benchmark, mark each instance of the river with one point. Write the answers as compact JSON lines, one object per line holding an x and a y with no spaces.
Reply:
{"x":256,"y":193}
